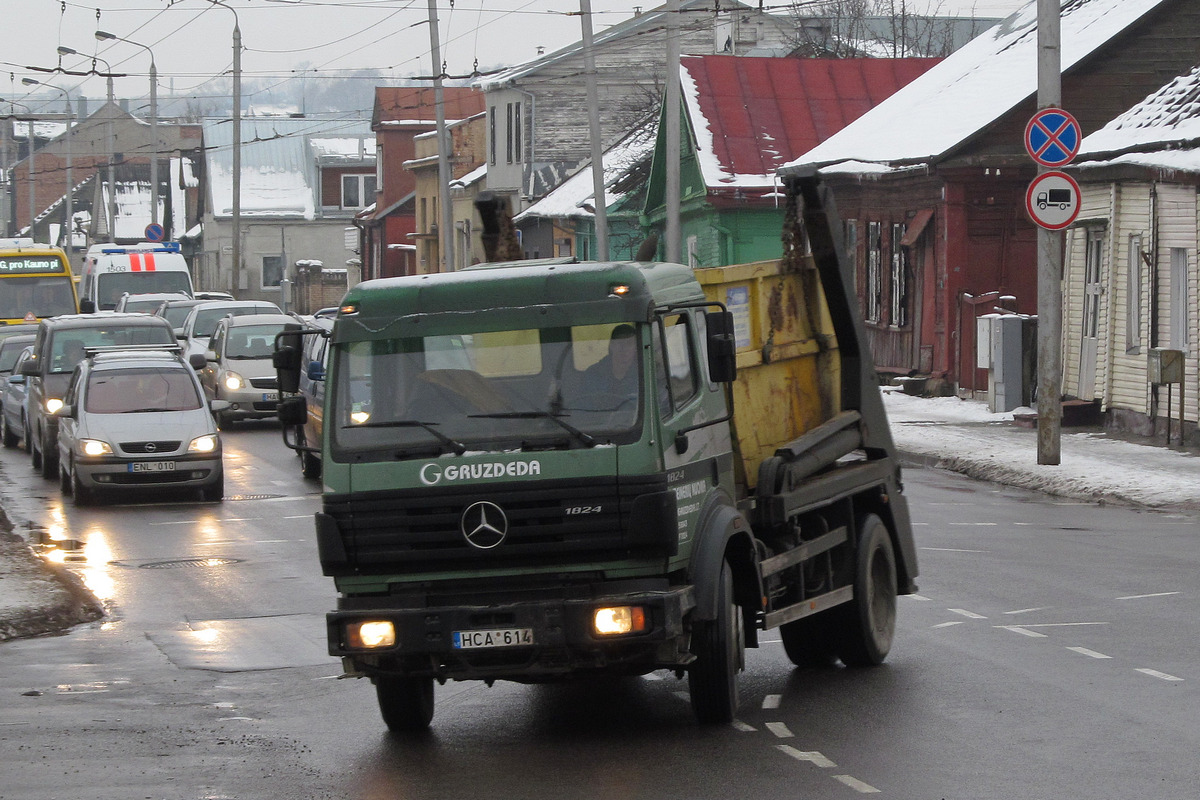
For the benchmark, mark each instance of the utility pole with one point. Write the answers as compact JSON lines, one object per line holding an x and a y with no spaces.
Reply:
{"x":446,"y":228}
{"x":593,"y":101}
{"x":1050,"y":256}
{"x":671,"y":230}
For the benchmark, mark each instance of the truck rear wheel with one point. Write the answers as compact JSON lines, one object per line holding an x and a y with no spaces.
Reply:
{"x":810,"y":642}
{"x":719,"y":646}
{"x":869,"y":621}
{"x":406,"y":704}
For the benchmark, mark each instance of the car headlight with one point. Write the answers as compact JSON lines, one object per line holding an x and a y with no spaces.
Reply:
{"x":53,"y":404}
{"x":233,"y":381}
{"x":204,"y":444}
{"x":94,"y":447}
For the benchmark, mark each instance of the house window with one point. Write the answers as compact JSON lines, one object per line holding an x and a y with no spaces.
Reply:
{"x":272,"y":271}
{"x":1091,"y":283}
{"x":899,"y":296}
{"x":358,"y":191}
{"x":1133,"y":297}
{"x":492,"y":135}
{"x":874,"y":276}
{"x":1179,"y":298}
{"x":512,"y":151}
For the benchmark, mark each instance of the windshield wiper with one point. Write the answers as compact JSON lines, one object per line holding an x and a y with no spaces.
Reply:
{"x":457,"y":447}
{"x":537,"y":414}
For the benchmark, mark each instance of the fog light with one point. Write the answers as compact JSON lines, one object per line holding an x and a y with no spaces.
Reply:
{"x":619,"y":620}
{"x":370,"y":634}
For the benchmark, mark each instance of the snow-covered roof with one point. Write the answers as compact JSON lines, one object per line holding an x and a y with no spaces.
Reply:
{"x":974,"y":87}
{"x":569,"y":198}
{"x":279,"y":173}
{"x":472,"y":177}
{"x":1165,"y":121}
{"x":355,"y":149}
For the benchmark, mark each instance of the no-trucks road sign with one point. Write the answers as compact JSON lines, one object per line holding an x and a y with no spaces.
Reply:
{"x":1052,"y":200}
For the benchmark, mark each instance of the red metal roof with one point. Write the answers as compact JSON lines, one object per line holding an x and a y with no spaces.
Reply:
{"x":763,"y":113}
{"x":402,"y":104}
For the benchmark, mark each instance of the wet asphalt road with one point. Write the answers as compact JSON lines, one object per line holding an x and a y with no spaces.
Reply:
{"x":1049,"y":653}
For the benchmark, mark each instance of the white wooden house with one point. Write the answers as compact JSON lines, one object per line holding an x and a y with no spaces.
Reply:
{"x":1131,"y":285}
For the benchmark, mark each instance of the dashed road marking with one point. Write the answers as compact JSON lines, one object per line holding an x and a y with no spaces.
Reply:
{"x":856,"y":784}
{"x":949,"y":624}
{"x":952,"y":550}
{"x":1089,"y":653}
{"x":968,"y":614}
{"x":772,"y":701}
{"x":811,"y":756}
{"x":1023,"y":631}
{"x":1153,"y":673}
{"x":1144,"y":596}
{"x":1025,"y":610}
{"x":780,"y":730}
{"x":918,"y":597}
{"x":742,"y":727}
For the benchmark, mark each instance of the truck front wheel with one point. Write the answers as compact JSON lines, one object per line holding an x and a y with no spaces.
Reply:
{"x":719,"y":646}
{"x":406,"y":704}
{"x":869,"y":621}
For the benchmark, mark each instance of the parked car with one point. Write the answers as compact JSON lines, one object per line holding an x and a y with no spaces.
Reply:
{"x":10,"y":348}
{"x":147,"y":303}
{"x":137,"y":420}
{"x":202,"y":319}
{"x":211,"y":295}
{"x":176,"y":311}
{"x":61,"y":343}
{"x":239,"y":367}
{"x":14,"y":409}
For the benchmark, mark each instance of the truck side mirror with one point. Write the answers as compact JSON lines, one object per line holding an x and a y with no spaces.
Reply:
{"x":87,"y":306}
{"x":286,"y":359}
{"x":292,"y":411}
{"x":722,"y":347}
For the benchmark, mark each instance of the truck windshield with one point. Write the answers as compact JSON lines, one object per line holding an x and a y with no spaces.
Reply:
{"x":112,"y":285}
{"x":540,"y":388}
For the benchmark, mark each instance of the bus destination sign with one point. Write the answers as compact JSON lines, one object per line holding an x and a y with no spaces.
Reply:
{"x":31,"y":265}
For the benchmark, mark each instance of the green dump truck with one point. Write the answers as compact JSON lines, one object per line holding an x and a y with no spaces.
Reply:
{"x":543,"y":471}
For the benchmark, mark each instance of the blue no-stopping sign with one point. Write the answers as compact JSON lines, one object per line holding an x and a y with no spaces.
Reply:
{"x":1052,"y":137}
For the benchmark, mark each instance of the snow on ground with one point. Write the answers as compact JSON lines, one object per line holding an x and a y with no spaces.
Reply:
{"x":963,"y":436}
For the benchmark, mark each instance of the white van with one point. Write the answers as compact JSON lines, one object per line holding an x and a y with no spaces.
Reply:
{"x":111,"y":270}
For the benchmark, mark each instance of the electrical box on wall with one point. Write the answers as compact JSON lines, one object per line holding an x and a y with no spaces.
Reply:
{"x":1164,"y":366}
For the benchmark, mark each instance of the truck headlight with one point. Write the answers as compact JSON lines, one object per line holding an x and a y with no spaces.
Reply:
{"x":94,"y":447}
{"x":203,"y":444}
{"x":233,"y":381}
{"x":370,"y":634}
{"x":619,"y":620}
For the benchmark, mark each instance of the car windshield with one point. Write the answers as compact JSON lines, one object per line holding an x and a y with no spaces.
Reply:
{"x":544,"y":388}
{"x":141,"y":390}
{"x":251,"y":341}
{"x":111,"y":285}
{"x":67,"y":346}
{"x":176,"y":315}
{"x":207,"y":318}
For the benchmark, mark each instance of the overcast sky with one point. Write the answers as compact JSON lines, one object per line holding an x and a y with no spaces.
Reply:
{"x":192,"y":39}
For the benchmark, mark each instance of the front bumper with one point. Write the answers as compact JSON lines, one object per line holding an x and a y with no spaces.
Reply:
{"x":249,"y":403}
{"x":563,"y":642}
{"x":118,"y":473}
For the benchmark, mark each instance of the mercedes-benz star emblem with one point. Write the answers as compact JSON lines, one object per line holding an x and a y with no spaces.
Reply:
{"x":484,"y":525}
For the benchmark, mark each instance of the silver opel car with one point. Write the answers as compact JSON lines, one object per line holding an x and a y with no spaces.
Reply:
{"x":137,"y":420}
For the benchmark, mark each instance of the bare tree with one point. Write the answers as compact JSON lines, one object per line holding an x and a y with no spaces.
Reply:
{"x":877,"y":28}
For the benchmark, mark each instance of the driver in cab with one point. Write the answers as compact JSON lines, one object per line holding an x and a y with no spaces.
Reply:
{"x":616,"y":373}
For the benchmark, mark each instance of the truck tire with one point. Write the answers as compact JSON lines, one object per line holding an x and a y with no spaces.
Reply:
{"x":406,"y":704}
{"x":869,"y":621}
{"x":719,"y":646}
{"x":810,"y":642}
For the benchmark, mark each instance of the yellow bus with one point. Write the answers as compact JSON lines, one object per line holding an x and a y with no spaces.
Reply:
{"x":35,"y":282}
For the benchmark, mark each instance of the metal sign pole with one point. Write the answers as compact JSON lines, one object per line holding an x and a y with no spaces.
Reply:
{"x":1050,"y":257}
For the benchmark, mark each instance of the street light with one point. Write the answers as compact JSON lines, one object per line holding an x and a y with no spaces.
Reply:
{"x":104,"y":36}
{"x":237,"y":144}
{"x":70,"y":184}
